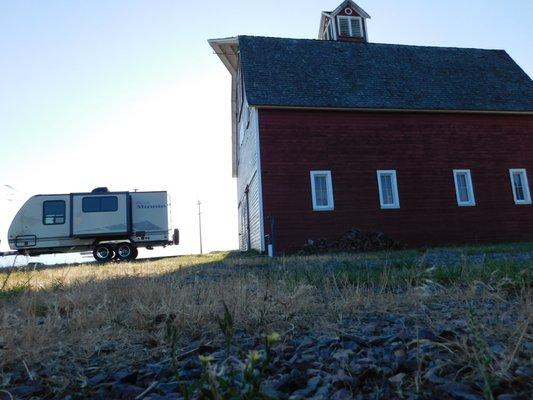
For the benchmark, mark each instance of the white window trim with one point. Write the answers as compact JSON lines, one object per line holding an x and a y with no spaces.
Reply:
{"x":396,"y":204}
{"x":339,"y":17}
{"x":329,"y":185}
{"x":527,"y":193}
{"x":471,"y":195}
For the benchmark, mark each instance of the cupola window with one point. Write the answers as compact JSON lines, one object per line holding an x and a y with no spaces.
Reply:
{"x":351,"y":26}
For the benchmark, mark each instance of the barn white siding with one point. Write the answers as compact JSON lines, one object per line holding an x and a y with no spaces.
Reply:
{"x":249,"y":181}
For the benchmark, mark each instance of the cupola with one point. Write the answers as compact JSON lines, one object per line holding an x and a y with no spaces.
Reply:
{"x":346,"y":23}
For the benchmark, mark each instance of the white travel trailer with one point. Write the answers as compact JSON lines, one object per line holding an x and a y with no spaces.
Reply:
{"x":113,"y":225}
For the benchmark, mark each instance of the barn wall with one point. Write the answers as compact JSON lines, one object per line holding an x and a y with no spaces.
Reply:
{"x":248,"y":180}
{"x":423,"y":148}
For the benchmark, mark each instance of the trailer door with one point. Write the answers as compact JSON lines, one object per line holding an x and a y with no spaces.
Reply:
{"x":100,"y":215}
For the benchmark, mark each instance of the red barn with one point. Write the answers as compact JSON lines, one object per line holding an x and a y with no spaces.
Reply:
{"x":430,"y":145}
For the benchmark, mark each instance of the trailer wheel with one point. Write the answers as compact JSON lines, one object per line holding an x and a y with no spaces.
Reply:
{"x":126,"y":252}
{"x":103,"y":253}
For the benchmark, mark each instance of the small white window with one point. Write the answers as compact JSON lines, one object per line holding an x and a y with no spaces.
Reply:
{"x":322,"y":190}
{"x":520,"y":186}
{"x":388,"y":189}
{"x":464,"y":188}
{"x":351,"y":26}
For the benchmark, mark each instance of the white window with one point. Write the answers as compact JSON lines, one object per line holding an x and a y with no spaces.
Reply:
{"x":520,"y":186}
{"x":388,"y":189}
{"x":322,"y":190}
{"x":351,"y":26}
{"x":464,"y":188}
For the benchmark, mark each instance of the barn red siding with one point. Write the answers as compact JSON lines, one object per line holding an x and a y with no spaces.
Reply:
{"x":423,"y":148}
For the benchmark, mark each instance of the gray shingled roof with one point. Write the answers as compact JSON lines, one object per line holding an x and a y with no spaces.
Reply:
{"x":315,"y":73}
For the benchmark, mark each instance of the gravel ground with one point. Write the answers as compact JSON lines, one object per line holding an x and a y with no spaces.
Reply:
{"x":376,"y":356}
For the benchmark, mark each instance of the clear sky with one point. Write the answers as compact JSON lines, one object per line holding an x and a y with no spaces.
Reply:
{"x":128,"y":94}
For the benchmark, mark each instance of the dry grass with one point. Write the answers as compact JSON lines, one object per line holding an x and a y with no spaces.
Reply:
{"x":65,"y":319}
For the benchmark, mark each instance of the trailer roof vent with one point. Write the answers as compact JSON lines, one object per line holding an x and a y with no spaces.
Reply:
{"x":100,"y":190}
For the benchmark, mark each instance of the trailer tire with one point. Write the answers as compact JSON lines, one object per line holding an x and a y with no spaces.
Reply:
{"x":126,"y":252}
{"x":103,"y":253}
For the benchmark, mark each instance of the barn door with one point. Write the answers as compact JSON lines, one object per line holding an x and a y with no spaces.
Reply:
{"x":242,"y":226}
{"x":245,"y":238}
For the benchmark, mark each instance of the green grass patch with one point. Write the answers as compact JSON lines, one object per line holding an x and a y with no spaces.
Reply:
{"x":514,"y":275}
{"x":518,"y":247}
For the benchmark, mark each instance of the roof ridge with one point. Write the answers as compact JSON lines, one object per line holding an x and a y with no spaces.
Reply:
{"x":370,"y":43}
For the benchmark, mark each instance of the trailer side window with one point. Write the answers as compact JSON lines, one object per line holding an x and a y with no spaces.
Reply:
{"x":99,"y":204}
{"x":54,"y":212}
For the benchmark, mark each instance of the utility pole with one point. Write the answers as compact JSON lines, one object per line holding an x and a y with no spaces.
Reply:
{"x":200,"y":225}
